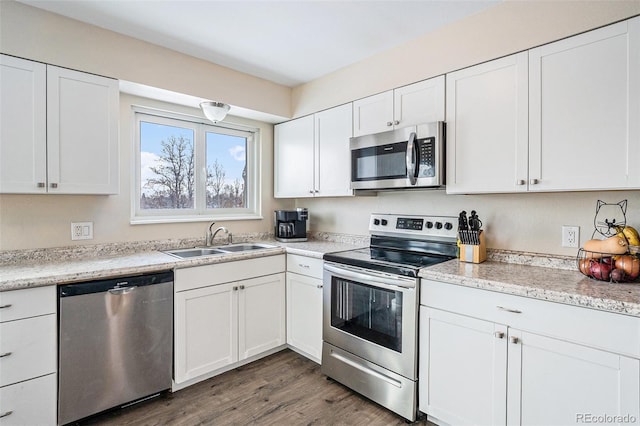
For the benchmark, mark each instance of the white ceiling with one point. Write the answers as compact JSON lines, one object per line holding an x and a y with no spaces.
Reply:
{"x":288,"y":42}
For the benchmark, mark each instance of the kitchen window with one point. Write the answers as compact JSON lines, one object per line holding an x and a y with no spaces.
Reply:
{"x":188,"y":170}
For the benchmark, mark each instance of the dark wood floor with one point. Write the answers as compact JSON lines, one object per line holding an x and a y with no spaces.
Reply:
{"x":282,"y":389}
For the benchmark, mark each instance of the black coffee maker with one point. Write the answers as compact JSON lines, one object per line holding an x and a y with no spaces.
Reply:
{"x":291,"y":225}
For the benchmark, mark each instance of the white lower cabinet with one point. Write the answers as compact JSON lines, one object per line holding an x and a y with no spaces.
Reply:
{"x":32,"y":402}
{"x":227,"y":313}
{"x":28,"y":354}
{"x":463,"y":369}
{"x":304,"y":305}
{"x":480,"y":366}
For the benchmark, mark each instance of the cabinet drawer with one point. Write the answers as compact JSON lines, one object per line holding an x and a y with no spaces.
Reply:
{"x":28,"y":302}
{"x":219,"y":273}
{"x":28,"y":347}
{"x":304,"y":265}
{"x":604,"y":330}
{"x":30,"y":403}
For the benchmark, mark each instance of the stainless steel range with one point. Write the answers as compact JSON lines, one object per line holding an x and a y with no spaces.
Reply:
{"x":370,"y":307}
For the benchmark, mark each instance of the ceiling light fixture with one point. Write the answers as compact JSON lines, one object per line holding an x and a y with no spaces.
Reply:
{"x":215,"y":111}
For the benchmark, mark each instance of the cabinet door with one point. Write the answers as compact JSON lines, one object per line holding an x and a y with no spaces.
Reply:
{"x":32,"y":402}
{"x":206,"y":330}
{"x":462,"y":369}
{"x":261,"y":315}
{"x":304,"y":314}
{"x":373,"y":114}
{"x":23,"y":126}
{"x":585,"y":110}
{"x":82,"y":132}
{"x":294,"y":158}
{"x":487,"y":122}
{"x":419,"y":103}
{"x":29,"y":348}
{"x":552,"y":381}
{"x":333,"y":128}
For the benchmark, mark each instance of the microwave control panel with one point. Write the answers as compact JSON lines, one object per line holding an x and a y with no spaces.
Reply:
{"x":426,"y":155}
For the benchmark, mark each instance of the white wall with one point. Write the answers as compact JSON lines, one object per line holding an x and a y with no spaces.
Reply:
{"x":509,"y":27}
{"x":522,"y":222}
{"x":42,"y":36}
{"x":38,"y":221}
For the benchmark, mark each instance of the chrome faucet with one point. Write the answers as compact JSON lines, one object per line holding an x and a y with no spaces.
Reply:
{"x":211,"y":235}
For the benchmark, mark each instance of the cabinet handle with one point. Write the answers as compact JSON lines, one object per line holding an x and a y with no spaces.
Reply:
{"x":389,"y":123}
{"x":8,"y":305}
{"x":311,"y":191}
{"x":499,"y":334}
{"x":534,"y":181}
{"x":319,"y":286}
{"x":396,"y":122}
{"x":241,"y":287}
{"x":521,"y":182}
{"x":6,"y":354}
{"x":5,"y":414}
{"x":54,"y":185}
{"x":303,"y":266}
{"x":235,"y":288}
{"x":41,"y":185}
{"x":513,"y":311}
{"x":514,"y":339}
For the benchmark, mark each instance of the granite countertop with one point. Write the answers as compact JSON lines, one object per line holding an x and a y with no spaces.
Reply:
{"x":555,"y":285}
{"x":36,"y":273}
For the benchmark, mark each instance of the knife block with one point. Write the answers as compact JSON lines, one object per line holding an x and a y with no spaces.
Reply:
{"x":474,"y":253}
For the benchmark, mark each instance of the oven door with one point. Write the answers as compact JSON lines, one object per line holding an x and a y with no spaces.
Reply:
{"x":372,"y":315}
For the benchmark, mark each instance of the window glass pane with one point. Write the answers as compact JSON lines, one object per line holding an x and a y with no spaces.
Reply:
{"x":166,"y":167}
{"x":226,"y":171}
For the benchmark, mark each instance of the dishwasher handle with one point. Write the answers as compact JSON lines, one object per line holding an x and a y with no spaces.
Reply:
{"x":120,"y":291}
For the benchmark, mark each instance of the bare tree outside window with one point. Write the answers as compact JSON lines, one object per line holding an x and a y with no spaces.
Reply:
{"x":169,"y":175}
{"x":188,"y":169}
{"x":226,"y":171}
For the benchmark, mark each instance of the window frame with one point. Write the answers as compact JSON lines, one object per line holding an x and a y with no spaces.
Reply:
{"x":200,"y":212}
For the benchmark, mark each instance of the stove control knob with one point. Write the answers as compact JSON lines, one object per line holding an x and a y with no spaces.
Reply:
{"x":376,"y":222}
{"x":438,"y":225}
{"x":448,"y":226}
{"x":384,"y":222}
{"x":429,"y":224}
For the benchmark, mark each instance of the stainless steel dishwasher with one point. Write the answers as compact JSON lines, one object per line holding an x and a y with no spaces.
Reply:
{"x":115,"y":343}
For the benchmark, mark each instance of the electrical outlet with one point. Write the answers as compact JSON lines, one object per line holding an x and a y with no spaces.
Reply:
{"x":82,"y":230}
{"x":570,"y":236}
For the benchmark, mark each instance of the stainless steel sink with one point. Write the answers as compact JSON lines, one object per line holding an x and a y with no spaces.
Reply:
{"x":195,"y":252}
{"x":234,"y":248}
{"x":220,"y":250}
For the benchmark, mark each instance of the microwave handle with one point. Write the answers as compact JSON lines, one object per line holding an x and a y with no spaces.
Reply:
{"x":411,"y":158}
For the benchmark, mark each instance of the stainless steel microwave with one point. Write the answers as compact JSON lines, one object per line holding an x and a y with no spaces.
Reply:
{"x":411,"y":157}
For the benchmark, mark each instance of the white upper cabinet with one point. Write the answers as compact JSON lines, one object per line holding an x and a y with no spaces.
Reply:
{"x":561,"y":117}
{"x":294,"y":158}
{"x":417,"y":103}
{"x":59,"y":130}
{"x":584,"y":115}
{"x":82,"y":132}
{"x":23,"y":125}
{"x":373,"y":114}
{"x":312,"y":156}
{"x":332,"y":154}
{"x":487,"y":127}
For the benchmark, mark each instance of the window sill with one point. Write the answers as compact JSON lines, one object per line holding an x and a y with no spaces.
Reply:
{"x":147,"y":220}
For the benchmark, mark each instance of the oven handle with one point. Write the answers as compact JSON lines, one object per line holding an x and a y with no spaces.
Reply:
{"x":388,"y":283}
